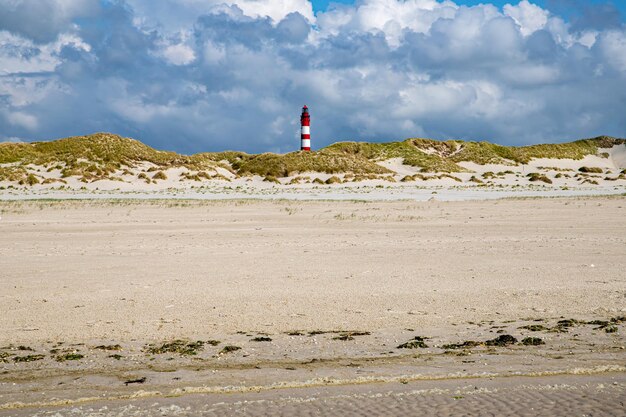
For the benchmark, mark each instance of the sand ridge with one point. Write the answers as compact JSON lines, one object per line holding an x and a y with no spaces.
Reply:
{"x":602,"y":173}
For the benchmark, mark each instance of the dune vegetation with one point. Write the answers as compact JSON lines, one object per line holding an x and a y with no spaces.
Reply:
{"x":108,"y":156}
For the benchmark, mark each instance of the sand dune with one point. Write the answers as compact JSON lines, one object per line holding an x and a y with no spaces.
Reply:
{"x":120,"y":167}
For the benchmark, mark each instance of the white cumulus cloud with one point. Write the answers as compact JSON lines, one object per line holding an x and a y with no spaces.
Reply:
{"x":179,"y":54}
{"x":200,"y":75}
{"x":529,"y":16}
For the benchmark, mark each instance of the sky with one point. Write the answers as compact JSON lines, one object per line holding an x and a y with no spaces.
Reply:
{"x":210,"y":75}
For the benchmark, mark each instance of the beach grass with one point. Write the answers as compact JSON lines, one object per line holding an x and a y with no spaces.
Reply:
{"x":101,"y":155}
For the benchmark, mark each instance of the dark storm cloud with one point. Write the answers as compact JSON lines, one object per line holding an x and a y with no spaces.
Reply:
{"x":382,"y":70}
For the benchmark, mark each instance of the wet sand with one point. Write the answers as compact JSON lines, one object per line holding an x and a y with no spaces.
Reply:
{"x":336,"y":286}
{"x":554,"y":396}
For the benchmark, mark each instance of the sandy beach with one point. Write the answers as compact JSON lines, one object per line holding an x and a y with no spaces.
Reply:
{"x":138,"y":300}
{"x":312,"y":208}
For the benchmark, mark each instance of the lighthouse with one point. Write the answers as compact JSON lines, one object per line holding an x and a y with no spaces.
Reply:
{"x":305,"y":130}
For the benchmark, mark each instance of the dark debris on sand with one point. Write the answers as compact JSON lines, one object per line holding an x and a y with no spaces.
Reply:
{"x":179,"y":346}
{"x":415,"y":343}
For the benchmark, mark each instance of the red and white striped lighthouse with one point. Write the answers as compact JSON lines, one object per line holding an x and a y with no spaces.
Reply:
{"x":305,"y":132}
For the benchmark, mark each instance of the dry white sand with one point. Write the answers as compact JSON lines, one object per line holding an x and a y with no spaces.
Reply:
{"x":130,"y":273}
{"x":81,"y":270}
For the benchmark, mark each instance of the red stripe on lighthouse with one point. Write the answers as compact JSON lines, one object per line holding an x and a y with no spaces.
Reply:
{"x":305,"y":130}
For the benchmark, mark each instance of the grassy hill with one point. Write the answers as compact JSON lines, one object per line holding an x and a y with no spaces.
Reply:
{"x":436,"y":156}
{"x":101,"y":148}
{"x":101,"y":154}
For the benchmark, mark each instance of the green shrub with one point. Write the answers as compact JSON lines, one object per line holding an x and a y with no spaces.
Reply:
{"x":31,"y":179}
{"x":160,"y":175}
{"x":271,"y":178}
{"x":590,"y":170}
{"x":143,"y":176}
{"x":535,"y":176}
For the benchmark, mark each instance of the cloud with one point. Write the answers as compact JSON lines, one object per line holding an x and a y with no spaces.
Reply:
{"x":179,"y":54}
{"x":612,"y":45}
{"x":43,"y":20}
{"x":177,"y":14}
{"x":191,"y":75}
{"x":391,"y":17}
{"x":24,"y":120}
{"x":528,"y":16}
{"x":10,"y":139}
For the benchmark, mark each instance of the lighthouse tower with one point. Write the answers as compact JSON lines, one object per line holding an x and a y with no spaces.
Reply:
{"x":305,"y":132}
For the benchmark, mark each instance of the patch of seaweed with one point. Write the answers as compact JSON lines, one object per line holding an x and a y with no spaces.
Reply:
{"x":28,"y":358}
{"x":69,"y":357}
{"x":318,"y":332}
{"x":535,"y":327}
{"x":532,"y":341}
{"x":415,"y":343}
{"x":261,"y":339}
{"x":468,"y":344}
{"x":502,"y":340}
{"x":135,"y":381}
{"x":604,"y":324}
{"x":350,"y":335}
{"x":108,"y":347}
{"x":21,"y":347}
{"x":229,"y":349}
{"x":179,"y":346}
{"x":562,"y":326}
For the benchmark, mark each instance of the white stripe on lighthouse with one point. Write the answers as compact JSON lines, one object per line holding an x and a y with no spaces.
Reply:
{"x":306,"y":143}
{"x":306,"y":130}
